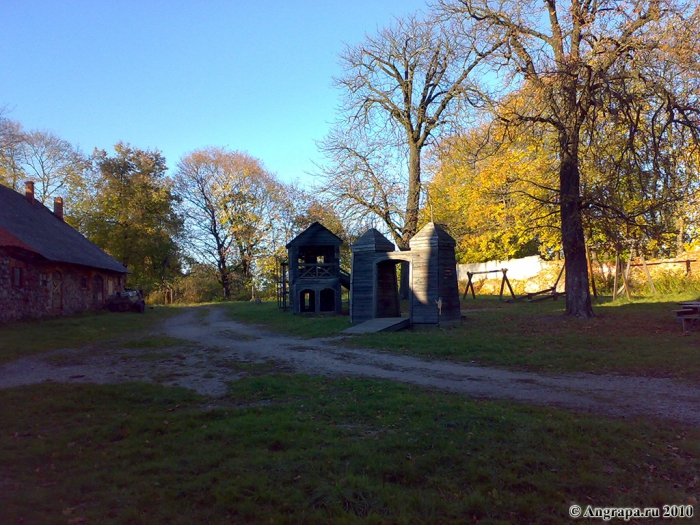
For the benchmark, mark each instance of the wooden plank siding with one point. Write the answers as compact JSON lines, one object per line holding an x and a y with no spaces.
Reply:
{"x":432,"y":277}
{"x":314,"y":270}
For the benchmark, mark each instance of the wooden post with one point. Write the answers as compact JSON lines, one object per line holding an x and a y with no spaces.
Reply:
{"x":590,"y":271}
{"x":625,"y":283}
{"x":470,"y":284}
{"x":561,"y":272}
{"x":505,"y":278}
{"x":625,"y":278}
{"x":617,"y":271}
{"x":646,"y":270}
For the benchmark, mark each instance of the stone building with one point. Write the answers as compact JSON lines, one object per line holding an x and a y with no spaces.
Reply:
{"x":46,"y":267}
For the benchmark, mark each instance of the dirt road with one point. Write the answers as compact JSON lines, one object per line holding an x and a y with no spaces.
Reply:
{"x":218,"y":340}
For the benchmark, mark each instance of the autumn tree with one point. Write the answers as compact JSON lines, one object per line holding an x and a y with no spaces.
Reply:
{"x":401,"y":88}
{"x":493,"y":191}
{"x":639,"y":181}
{"x":230,"y":204}
{"x":55,"y":165}
{"x":571,"y":59}
{"x":131,"y":214}
{"x":496,"y":187}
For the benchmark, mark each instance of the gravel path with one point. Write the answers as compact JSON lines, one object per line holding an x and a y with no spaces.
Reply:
{"x":218,"y":340}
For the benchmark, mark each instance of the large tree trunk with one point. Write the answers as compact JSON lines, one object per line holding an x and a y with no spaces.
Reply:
{"x":412,"y":207}
{"x":413,"y":198}
{"x":578,"y":297}
{"x":224,"y":278}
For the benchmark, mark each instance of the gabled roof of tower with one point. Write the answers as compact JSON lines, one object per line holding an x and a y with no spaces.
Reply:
{"x":432,"y":232}
{"x":373,"y":240}
{"x":316,"y":235}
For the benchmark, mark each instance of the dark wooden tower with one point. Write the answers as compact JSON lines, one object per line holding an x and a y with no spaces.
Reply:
{"x":434,"y":277}
{"x":315,"y":277}
{"x":364,"y":290}
{"x":433,"y":294}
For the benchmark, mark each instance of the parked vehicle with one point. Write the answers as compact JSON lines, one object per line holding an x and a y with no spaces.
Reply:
{"x":126,"y":301}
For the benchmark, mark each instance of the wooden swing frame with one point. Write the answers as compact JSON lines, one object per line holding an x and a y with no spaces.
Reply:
{"x":504,"y":282}
{"x":547,"y":293}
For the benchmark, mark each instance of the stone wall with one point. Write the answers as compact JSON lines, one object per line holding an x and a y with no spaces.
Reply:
{"x":31,"y":289}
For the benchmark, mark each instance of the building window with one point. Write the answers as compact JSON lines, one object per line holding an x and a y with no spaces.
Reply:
{"x":16,"y":276}
{"x":43,"y":281}
{"x":83,"y":283}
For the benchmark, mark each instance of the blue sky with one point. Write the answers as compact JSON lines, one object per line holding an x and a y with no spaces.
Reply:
{"x":174,"y":75}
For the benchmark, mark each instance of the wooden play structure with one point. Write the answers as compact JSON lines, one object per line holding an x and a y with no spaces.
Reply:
{"x":433,"y":289}
{"x":311,"y":278}
{"x":282,"y":278}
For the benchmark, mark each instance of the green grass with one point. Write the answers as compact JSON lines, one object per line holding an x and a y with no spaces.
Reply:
{"x":282,"y":448}
{"x":32,"y":337}
{"x":270,"y":316}
{"x":298,"y":449}
{"x":640,"y":337}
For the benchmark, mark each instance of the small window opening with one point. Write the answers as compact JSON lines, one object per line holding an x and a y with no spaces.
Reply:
{"x":17,"y":276}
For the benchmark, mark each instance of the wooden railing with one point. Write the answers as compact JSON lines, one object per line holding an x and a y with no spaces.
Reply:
{"x":316,"y":270}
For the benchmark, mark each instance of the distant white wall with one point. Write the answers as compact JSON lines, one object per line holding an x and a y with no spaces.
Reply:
{"x":518,"y":269}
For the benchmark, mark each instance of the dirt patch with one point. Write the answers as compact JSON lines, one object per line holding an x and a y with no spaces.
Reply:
{"x":217,"y":358}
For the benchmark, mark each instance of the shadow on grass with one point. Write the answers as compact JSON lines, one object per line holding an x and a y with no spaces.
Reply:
{"x":300,"y":449}
{"x":21,"y":339}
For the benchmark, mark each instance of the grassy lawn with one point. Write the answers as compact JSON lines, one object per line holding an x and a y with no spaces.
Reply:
{"x":639,"y":338}
{"x":270,"y":316}
{"x":298,"y":449}
{"x":282,"y":448}
{"x":105,"y":328}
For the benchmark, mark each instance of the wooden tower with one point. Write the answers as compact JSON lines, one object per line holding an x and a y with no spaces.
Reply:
{"x":434,"y":292}
{"x":365,"y":252}
{"x":315,"y":277}
{"x":434,"y":277}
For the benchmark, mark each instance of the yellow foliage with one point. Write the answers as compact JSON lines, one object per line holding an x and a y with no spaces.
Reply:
{"x":496,"y":200}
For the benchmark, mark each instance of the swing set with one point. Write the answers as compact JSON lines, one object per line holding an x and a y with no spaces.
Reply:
{"x":504,"y":281}
{"x":542,"y":295}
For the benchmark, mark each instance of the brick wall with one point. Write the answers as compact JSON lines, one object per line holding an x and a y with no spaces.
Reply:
{"x":31,"y":289}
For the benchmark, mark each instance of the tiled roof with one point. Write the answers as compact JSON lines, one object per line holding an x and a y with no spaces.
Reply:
{"x":35,"y":227}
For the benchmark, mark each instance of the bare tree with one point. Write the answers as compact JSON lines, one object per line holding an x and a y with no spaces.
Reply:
{"x":401,"y":88}
{"x":12,"y":151}
{"x":572,"y":57}
{"x":229,"y":207}
{"x":54,"y":164}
